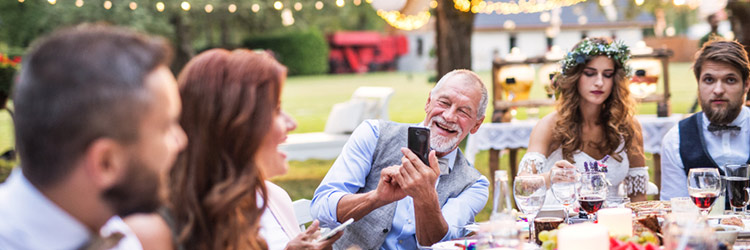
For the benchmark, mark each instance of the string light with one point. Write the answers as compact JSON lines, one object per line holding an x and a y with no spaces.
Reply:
{"x":433,"y":4}
{"x":504,"y":8}
{"x":639,"y":2}
{"x":319,"y":5}
{"x":209,"y":8}
{"x":52,"y":2}
{"x":357,"y":2}
{"x":255,"y":8}
{"x":160,"y":6}
{"x":298,"y":6}
{"x":133,"y":5}
{"x":79,"y":3}
{"x":232,"y":8}
{"x":679,"y":2}
{"x":340,"y":3}
{"x":278,"y":5}
{"x":107,"y":4}
{"x":405,"y":22}
{"x":185,"y":6}
{"x":21,"y":1}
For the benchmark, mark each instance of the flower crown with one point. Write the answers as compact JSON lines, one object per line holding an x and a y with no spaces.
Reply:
{"x":588,"y":49}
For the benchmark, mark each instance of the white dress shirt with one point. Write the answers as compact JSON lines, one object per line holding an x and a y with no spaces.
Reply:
{"x":28,"y":220}
{"x":723,"y":146}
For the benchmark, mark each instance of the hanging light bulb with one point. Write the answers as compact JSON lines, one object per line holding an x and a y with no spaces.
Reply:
{"x":255,"y":8}
{"x":357,"y":2}
{"x":107,"y":4}
{"x":20,"y":1}
{"x":639,"y":2}
{"x":209,"y":8}
{"x":52,"y":2}
{"x":298,"y":6}
{"x":185,"y":5}
{"x":319,"y":5}
{"x":133,"y":5}
{"x":433,"y":4}
{"x":278,"y":5}
{"x":232,"y":8}
{"x":79,"y":3}
{"x":160,"y":6}
{"x":340,"y":3}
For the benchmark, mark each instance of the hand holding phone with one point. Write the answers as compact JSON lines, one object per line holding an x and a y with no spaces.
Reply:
{"x":419,"y":143}
{"x":332,"y":232}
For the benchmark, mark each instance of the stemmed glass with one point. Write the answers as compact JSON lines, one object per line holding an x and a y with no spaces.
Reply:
{"x":563,"y":187}
{"x":529,"y":192}
{"x":704,"y":186}
{"x":592,"y":192}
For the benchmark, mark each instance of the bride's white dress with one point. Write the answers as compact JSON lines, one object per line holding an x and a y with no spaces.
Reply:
{"x":634,"y":180}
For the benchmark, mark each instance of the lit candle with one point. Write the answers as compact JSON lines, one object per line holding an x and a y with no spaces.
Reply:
{"x":619,"y":221}
{"x":583,"y":236}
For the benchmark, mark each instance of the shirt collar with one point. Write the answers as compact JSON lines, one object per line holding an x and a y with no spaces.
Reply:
{"x":37,"y":220}
{"x":740,"y":120}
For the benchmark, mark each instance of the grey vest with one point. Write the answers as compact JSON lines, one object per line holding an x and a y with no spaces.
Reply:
{"x":370,"y":231}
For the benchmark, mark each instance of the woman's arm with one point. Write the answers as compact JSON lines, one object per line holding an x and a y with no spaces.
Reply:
{"x":541,"y":143}
{"x":637,"y":159}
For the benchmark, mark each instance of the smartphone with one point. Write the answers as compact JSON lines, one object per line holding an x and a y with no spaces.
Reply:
{"x":332,"y":232}
{"x":419,"y":143}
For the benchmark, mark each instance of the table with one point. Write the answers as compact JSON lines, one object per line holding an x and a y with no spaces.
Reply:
{"x":514,"y":135}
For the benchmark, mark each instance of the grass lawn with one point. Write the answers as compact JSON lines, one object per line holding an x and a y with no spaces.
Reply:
{"x":309,"y":100}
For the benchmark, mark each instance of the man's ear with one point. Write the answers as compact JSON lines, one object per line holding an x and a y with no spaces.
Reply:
{"x":105,"y":161}
{"x":476,"y":126}
{"x":427,"y":105}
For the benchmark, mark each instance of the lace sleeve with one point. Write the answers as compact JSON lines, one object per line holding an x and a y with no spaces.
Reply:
{"x":532,"y":162}
{"x":637,"y":180}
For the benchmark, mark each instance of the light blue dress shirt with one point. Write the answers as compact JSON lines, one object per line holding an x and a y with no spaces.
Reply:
{"x":348,"y":174}
{"x":723,"y":146}
{"x":28,"y":220}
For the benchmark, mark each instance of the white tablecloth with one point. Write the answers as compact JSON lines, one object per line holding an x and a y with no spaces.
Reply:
{"x":516,"y":134}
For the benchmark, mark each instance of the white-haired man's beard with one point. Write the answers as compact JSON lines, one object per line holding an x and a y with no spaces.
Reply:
{"x":722,"y":115}
{"x":440,"y":143}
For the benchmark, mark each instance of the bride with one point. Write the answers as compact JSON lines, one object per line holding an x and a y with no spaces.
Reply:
{"x":593,"y":118}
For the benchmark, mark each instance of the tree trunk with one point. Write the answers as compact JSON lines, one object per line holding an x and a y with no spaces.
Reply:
{"x":740,"y":19}
{"x":183,"y":43}
{"x":453,"y":31}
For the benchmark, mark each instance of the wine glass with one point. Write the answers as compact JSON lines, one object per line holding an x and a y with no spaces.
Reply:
{"x":592,"y":192}
{"x":738,"y":191}
{"x":704,"y":186}
{"x":529,"y":192}
{"x":563,"y":187}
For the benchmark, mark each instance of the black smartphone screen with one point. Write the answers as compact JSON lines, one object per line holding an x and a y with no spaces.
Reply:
{"x":419,"y":142}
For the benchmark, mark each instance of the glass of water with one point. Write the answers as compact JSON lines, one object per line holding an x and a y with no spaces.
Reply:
{"x":563,"y":184}
{"x":529,"y":192}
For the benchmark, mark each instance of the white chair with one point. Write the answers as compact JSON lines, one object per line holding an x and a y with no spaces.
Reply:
{"x":302,"y":212}
{"x":366,"y":103}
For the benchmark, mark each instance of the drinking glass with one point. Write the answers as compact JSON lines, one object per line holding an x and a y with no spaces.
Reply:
{"x":592,"y":192}
{"x":529,"y":192}
{"x":704,"y":186}
{"x":563,"y":186}
{"x":738,"y":189}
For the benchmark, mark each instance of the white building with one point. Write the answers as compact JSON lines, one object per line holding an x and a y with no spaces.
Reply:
{"x":494,"y":35}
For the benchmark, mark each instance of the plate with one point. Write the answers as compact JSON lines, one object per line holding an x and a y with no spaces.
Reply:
{"x":451,"y":245}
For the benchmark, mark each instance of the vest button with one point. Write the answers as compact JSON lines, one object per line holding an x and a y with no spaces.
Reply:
{"x":385,"y":230}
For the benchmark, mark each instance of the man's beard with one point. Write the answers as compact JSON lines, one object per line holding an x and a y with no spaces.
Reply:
{"x":139,"y":191}
{"x":723,"y":115}
{"x":440,"y":143}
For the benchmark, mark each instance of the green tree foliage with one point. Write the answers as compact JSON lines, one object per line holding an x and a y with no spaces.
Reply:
{"x":303,"y":53}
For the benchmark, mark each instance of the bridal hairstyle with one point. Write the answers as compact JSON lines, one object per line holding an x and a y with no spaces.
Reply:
{"x":228,"y":102}
{"x":616,"y":115}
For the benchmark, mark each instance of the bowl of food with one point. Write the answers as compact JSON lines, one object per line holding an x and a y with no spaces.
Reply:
{"x":726,"y":233}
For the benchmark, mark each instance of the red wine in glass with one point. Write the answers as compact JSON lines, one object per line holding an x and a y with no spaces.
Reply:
{"x":591,"y":203}
{"x":703,"y":200}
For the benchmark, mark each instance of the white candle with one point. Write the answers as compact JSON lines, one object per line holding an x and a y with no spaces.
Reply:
{"x":619,"y":221}
{"x":583,"y":236}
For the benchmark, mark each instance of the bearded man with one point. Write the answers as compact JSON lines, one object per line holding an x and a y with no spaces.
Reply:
{"x":397,"y":201}
{"x":718,"y":135}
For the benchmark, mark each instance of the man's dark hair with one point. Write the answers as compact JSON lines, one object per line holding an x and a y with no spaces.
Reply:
{"x":729,"y":52}
{"x":77,"y":85}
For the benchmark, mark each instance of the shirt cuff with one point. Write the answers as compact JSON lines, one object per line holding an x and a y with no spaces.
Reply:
{"x":333,"y":205}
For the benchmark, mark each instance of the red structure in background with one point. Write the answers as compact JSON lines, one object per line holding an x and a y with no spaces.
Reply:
{"x":364,"y":51}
